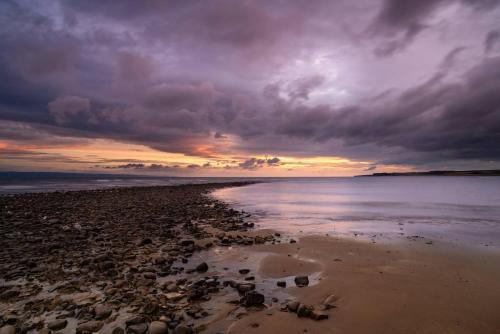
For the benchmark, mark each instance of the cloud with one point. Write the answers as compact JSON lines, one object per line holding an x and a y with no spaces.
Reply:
{"x":65,"y":108}
{"x":256,"y":163}
{"x":402,"y":21}
{"x":491,"y":40}
{"x":234,"y":78}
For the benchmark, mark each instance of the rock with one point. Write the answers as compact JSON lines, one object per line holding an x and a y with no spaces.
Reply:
{"x":244,"y":271}
{"x":102,"y":312}
{"x":253,"y":298}
{"x":145,"y":241}
{"x":57,"y":324}
{"x":174,"y":296}
{"x":157,"y":327}
{"x":137,"y":328}
{"x":187,"y":242}
{"x":245,"y":287}
{"x":202,"y":267}
{"x":134,"y":321}
{"x":8,"y":329}
{"x":329,"y":302}
{"x":9,"y":294}
{"x":281,"y":284}
{"x":118,"y":330}
{"x":181,"y":329}
{"x":301,"y":281}
{"x":304,"y":311}
{"x":292,"y":241}
{"x":89,"y":327}
{"x":293,"y":306}
{"x":315,"y":315}
{"x":150,"y":275}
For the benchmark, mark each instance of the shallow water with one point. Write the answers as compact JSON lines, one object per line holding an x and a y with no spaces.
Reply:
{"x":455,"y":209}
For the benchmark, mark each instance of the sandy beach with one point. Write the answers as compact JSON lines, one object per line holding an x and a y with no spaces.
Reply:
{"x":173,"y":260}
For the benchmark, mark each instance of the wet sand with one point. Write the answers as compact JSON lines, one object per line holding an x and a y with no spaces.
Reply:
{"x":173,"y":260}
{"x":399,"y":288}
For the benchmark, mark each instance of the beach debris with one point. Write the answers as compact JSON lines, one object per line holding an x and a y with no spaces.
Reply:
{"x":301,"y":281}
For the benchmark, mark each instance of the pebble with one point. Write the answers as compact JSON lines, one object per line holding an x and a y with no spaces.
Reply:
{"x":253,"y":298}
{"x":57,"y":324}
{"x":8,"y":329}
{"x":102,"y":312}
{"x":301,"y":281}
{"x":202,"y":267}
{"x":137,"y":329}
{"x":181,"y":329}
{"x":157,"y":327}
{"x":91,"y":326}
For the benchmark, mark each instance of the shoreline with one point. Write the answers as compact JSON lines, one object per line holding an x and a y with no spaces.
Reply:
{"x":110,"y":261}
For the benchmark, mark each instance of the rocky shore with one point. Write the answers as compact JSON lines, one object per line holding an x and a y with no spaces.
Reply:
{"x":118,"y":260}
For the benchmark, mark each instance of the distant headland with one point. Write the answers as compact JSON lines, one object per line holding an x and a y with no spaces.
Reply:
{"x":494,"y":172}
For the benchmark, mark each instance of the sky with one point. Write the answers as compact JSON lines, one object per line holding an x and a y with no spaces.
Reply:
{"x":249,"y":88}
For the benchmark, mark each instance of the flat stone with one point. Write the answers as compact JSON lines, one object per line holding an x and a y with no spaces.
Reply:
{"x":137,"y":328}
{"x":57,"y":324}
{"x":89,"y":327}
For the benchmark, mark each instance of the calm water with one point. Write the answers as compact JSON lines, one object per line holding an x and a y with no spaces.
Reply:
{"x":456,"y":209}
{"x":12,"y":182}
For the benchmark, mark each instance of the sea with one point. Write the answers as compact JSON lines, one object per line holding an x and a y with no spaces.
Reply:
{"x":454,"y":209}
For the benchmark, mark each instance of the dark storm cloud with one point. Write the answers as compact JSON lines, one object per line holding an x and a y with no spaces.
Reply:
{"x":263,"y":76}
{"x":491,"y":41}
{"x":402,"y":21}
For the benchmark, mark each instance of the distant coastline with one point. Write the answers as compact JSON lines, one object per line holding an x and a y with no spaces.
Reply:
{"x":494,"y":172}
